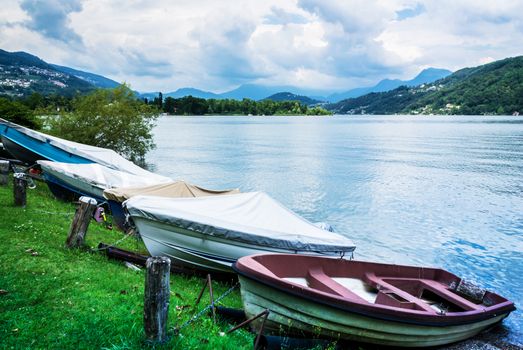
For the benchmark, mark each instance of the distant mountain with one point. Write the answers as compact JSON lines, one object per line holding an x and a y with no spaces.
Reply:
{"x":288,"y":96}
{"x":428,"y":75}
{"x":148,"y":95}
{"x":22,"y":74}
{"x":93,"y":79}
{"x":191,"y":92}
{"x":494,"y":88}
{"x":260,"y":92}
{"x":21,"y":59}
{"x":251,"y":91}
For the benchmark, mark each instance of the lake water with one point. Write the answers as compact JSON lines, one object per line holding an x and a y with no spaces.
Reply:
{"x":437,"y":191}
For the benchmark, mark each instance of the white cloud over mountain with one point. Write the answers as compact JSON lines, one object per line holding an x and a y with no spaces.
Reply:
{"x":217,"y":45}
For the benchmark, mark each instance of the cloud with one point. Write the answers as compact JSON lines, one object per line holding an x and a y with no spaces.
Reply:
{"x":141,"y":65}
{"x":279,"y":15}
{"x":224,"y":48}
{"x":408,"y":12}
{"x":218,"y":44}
{"x":456,"y":34}
{"x":351,"y":30}
{"x":51,"y":18}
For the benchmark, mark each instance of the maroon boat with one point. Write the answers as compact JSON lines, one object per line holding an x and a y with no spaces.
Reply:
{"x":365,"y":302}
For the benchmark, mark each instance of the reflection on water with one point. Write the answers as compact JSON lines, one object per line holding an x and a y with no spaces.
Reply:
{"x":440,"y":191}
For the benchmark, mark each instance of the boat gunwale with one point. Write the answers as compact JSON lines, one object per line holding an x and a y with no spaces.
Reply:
{"x":51,"y":178}
{"x":222,"y":240}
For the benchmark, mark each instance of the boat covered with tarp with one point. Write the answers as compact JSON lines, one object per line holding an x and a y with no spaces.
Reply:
{"x":68,"y":180}
{"x":30,"y":146}
{"x":211,"y":233}
{"x":175,"y":189}
{"x":384,"y":304}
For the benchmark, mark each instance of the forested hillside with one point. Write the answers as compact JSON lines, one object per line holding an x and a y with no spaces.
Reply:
{"x":289,"y":96}
{"x":22,"y":74}
{"x":494,"y":88}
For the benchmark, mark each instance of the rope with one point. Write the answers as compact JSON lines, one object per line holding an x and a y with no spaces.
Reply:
{"x":51,"y":213}
{"x":114,"y":244}
{"x":203,"y":311}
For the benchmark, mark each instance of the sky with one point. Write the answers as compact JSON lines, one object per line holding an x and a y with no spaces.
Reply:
{"x":217,"y":45}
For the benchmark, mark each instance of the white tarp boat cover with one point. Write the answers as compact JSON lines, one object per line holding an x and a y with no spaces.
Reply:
{"x":99,"y":155}
{"x":253,"y":218}
{"x":175,"y":189}
{"x":101,"y":176}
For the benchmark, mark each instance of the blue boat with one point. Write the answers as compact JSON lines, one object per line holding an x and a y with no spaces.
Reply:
{"x":30,"y":146}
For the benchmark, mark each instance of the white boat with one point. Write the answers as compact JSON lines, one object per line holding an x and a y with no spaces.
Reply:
{"x":176,"y":189}
{"x":211,"y":233}
{"x":67,"y":180}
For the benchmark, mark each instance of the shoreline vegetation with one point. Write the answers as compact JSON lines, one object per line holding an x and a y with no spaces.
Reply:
{"x":26,"y":110}
{"x":52,"y":297}
{"x":190,"y":105}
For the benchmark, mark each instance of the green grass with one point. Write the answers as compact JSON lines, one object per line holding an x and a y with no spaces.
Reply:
{"x":60,"y":298}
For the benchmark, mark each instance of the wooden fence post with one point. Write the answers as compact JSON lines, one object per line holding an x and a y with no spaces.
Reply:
{"x":156,"y":300}
{"x":20,"y":190}
{"x":80,"y":223}
{"x":4,"y":172}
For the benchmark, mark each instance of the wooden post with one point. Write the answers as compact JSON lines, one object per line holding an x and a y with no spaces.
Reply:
{"x":80,"y":223}
{"x":156,"y":303}
{"x":4,"y":172}
{"x":19,"y":190}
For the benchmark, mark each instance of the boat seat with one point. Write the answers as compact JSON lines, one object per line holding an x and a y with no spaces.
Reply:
{"x":442,"y":291}
{"x":319,"y":280}
{"x":380,"y":284}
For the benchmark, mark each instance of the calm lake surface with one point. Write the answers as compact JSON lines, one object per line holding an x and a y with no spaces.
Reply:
{"x":437,"y":191}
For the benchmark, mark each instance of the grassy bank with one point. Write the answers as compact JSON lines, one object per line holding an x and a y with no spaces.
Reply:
{"x":57,"y":298}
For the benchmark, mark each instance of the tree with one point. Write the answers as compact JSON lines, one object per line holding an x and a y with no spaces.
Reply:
{"x":169,"y":105}
{"x":110,"y":118}
{"x":17,"y":113}
{"x":159,"y":101}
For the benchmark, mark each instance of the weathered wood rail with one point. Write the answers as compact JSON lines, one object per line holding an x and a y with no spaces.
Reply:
{"x":4,"y":172}
{"x":20,"y":190}
{"x":156,"y":299}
